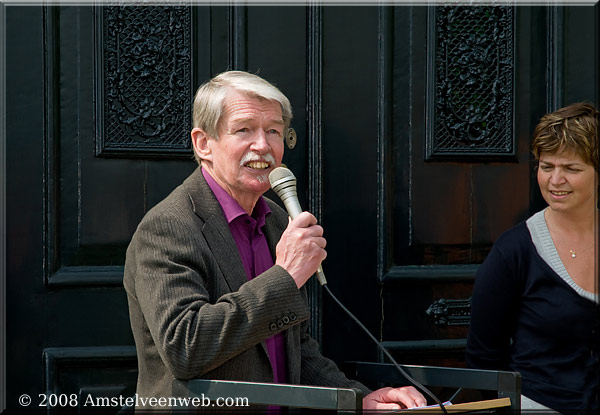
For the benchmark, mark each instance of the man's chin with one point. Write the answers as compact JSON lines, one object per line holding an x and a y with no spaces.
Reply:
{"x":264,"y":178}
{"x":259,"y":184}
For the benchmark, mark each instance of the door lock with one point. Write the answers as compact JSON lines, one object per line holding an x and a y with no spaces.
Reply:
{"x":290,"y":138}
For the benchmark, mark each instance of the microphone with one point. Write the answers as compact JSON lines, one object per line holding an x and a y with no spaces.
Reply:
{"x":283,"y":182}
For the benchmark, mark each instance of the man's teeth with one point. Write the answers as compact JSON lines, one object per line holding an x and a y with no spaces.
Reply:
{"x":258,"y":165}
{"x":560,"y":193}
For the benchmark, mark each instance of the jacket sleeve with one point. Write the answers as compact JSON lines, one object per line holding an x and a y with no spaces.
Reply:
{"x":173,"y":274}
{"x":494,"y":308}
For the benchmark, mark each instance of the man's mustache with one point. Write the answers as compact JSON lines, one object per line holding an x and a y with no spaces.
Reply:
{"x":252,"y":156}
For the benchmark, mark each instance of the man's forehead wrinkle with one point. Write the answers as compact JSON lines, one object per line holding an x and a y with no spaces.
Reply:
{"x":242,"y":97}
{"x":238,"y":112}
{"x":240,"y":120}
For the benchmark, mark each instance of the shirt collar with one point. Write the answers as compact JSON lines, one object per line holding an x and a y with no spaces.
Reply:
{"x":231,"y":208}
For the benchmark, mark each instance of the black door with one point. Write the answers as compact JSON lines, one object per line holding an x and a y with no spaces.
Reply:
{"x":98,"y":107}
{"x":427,"y":118}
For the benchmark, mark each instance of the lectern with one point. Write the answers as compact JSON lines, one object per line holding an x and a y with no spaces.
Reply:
{"x":257,"y":393}
{"x":505,"y":384}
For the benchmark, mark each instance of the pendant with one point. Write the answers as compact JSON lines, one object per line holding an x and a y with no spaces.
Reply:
{"x":573,"y":254}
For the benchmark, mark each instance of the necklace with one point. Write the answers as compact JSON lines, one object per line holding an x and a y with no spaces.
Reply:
{"x":573,"y":253}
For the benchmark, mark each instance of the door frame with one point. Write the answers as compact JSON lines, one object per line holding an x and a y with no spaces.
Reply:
{"x":2,"y":209}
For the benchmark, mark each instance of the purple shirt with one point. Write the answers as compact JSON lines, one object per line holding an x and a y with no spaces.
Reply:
{"x":256,"y":256}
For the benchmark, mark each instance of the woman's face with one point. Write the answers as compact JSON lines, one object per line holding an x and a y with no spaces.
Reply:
{"x":567,"y":183}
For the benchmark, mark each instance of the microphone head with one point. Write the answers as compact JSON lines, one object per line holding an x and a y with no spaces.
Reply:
{"x":283,"y":182}
{"x":280,"y":174}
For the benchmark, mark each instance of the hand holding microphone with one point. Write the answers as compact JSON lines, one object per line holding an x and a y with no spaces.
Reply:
{"x":300,"y":250}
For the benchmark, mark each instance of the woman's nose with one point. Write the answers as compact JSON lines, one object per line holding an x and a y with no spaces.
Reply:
{"x":557,"y":176}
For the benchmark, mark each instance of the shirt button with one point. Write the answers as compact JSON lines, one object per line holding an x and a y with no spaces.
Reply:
{"x":292,"y":316}
{"x":273,"y":326}
{"x":279,"y":323}
{"x":286,"y":320}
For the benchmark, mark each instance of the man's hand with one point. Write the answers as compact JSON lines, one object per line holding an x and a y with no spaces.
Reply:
{"x":301,"y":248}
{"x":394,"y":398}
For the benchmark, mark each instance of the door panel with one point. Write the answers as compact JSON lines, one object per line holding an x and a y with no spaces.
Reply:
{"x":431,"y":215}
{"x":449,"y":209}
{"x":350,"y":167}
{"x":68,"y":316}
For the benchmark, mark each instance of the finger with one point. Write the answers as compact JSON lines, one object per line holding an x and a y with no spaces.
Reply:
{"x":320,"y":242}
{"x":412,"y":391}
{"x":388,"y":406}
{"x":417,"y":396}
{"x":401,"y":395}
{"x":315,"y":230}
{"x":304,"y":220}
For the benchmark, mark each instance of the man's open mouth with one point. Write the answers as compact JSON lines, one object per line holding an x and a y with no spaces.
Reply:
{"x":258,"y":165}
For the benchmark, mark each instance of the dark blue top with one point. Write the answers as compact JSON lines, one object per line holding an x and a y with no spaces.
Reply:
{"x":526,"y":318}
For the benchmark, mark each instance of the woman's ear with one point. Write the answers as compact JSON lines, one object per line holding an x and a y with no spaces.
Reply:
{"x":200,"y":144}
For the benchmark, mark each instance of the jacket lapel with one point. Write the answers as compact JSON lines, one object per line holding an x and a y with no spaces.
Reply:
{"x":216,"y":230}
{"x":274,"y":226}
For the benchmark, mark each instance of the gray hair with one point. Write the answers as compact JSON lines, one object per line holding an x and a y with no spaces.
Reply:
{"x":209,"y":99}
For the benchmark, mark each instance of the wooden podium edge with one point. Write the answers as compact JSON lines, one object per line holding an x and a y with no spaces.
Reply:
{"x":462,"y":407}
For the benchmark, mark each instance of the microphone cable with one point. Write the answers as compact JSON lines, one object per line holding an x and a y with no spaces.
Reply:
{"x":283,"y":183}
{"x":385,"y":351}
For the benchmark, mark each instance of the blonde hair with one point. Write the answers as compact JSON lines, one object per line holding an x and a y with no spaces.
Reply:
{"x":574,"y":127}
{"x":210,"y":97}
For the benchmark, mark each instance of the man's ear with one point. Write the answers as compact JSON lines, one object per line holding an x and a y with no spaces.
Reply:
{"x":200,"y":144}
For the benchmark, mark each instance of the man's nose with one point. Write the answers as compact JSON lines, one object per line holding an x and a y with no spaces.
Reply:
{"x":260,"y":143}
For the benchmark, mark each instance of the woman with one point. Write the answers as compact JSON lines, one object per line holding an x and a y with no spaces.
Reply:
{"x":535,"y":299}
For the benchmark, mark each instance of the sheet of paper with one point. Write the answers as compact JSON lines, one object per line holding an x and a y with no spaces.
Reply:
{"x":447,"y":403}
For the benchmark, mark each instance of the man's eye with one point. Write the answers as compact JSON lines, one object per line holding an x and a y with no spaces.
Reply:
{"x":546,"y":168}
{"x":242,"y":130}
{"x":274,"y":131}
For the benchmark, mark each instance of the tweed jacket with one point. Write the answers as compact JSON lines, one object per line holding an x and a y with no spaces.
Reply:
{"x":193,"y":312}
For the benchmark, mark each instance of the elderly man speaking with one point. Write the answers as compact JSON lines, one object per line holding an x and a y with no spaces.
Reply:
{"x":215,"y":273}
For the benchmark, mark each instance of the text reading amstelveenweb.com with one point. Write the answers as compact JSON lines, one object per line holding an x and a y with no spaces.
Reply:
{"x":75,"y":400}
